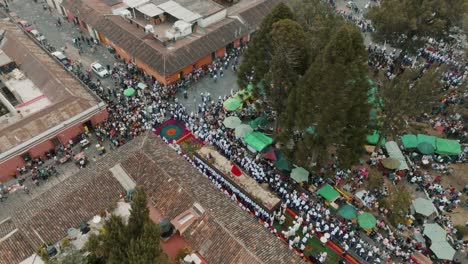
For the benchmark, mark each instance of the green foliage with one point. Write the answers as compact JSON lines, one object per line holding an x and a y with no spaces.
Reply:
{"x":462,"y":231}
{"x":376,"y":180}
{"x":42,"y":253}
{"x":258,"y":55}
{"x":319,"y":21}
{"x":139,"y":213}
{"x":72,"y":257}
{"x":332,"y":96}
{"x":398,"y":203}
{"x":136,"y":242}
{"x":182,"y":253}
{"x":288,"y":63}
{"x":407,"y":23}
{"x":65,"y":242}
{"x":405,"y":97}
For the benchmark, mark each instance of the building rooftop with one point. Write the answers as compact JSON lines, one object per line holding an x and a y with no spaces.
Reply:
{"x":51,"y":95}
{"x":169,"y":57}
{"x":222,"y":232}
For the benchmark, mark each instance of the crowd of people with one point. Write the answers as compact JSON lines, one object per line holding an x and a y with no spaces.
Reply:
{"x":155,"y":103}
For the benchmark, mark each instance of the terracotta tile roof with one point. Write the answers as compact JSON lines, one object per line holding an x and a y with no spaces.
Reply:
{"x":6,"y":227}
{"x":15,"y":248}
{"x":224,"y":234}
{"x":68,"y":97}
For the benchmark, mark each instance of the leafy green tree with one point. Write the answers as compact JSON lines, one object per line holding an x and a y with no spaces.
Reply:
{"x":406,"y":24}
{"x":258,"y":55}
{"x":132,"y":243}
{"x":333,"y":99}
{"x":407,"y":95}
{"x":398,"y":203}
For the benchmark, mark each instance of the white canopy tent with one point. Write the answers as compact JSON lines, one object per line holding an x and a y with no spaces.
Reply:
{"x":394,"y":152}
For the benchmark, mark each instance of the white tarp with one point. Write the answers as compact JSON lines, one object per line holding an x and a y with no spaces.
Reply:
{"x":394,"y":152}
{"x":150,"y":10}
{"x":134,"y":3}
{"x":179,"y":12}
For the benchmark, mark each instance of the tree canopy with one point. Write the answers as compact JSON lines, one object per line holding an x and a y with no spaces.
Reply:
{"x":133,"y":243}
{"x":406,"y":24}
{"x":407,"y":95}
{"x":258,"y":55}
{"x":288,"y":62}
{"x":332,"y":98}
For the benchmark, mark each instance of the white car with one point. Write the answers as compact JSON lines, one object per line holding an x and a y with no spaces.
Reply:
{"x":38,"y":35}
{"x":99,"y":70}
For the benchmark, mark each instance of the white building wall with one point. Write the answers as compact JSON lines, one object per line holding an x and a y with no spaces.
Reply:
{"x":216,"y":17}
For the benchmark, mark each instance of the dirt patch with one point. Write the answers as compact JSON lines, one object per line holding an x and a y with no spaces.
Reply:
{"x":459,"y":177}
{"x":459,"y":216}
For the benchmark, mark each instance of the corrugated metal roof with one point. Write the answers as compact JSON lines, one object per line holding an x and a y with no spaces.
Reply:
{"x":135,"y":3}
{"x":179,"y":12}
{"x":150,"y":10}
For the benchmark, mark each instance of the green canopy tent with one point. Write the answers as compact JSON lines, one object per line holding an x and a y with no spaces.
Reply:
{"x":374,"y":138}
{"x":447,"y":147}
{"x":232,"y":104}
{"x":426,"y":148}
{"x":300,"y":174}
{"x":425,"y":138}
{"x":367,"y":220}
{"x":232,"y":122}
{"x":391,"y":163}
{"x":258,"y":141}
{"x":347,"y":211}
{"x":129,"y":92}
{"x":423,"y":206}
{"x":435,"y":232}
{"x":242,"y":130}
{"x":310,"y":130}
{"x":243,"y":95}
{"x":328,"y":192}
{"x":409,"y":141}
{"x":443,"y":250}
{"x":259,"y":121}
{"x":250,"y":87}
{"x":281,"y":162}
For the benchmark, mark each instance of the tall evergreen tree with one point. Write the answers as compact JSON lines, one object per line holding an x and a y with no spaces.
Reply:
{"x":146,"y":249}
{"x":139,"y":213}
{"x":258,"y":55}
{"x":133,"y":243}
{"x":333,"y":99}
{"x":288,"y":62}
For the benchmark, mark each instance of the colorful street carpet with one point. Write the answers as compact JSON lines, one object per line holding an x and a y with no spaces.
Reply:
{"x":190,"y":144}
{"x":171,"y":130}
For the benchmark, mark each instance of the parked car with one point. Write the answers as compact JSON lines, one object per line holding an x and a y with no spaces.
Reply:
{"x":99,"y":70}
{"x":62,"y":58}
{"x":38,"y":35}
{"x":25,"y":25}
